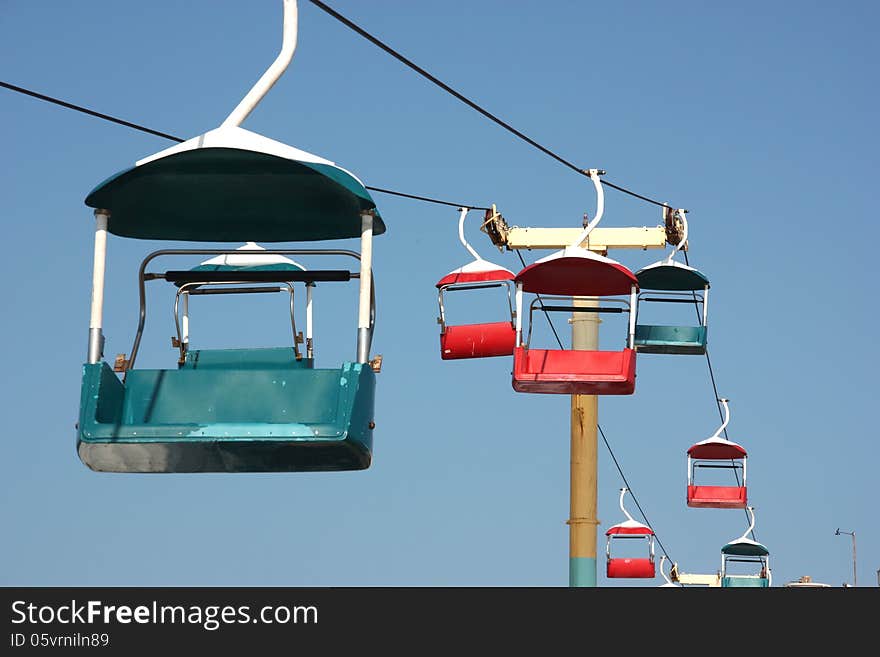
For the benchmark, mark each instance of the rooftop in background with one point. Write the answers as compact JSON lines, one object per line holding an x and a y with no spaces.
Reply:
{"x":806,"y":582}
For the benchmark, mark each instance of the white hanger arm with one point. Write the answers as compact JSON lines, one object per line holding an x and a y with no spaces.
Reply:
{"x":751,"y":511}
{"x":270,"y":77}
{"x":726,"y":418}
{"x":464,"y":212}
{"x":600,"y":208}
{"x":625,"y":512}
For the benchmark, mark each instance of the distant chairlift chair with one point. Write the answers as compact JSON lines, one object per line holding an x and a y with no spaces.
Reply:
{"x":717,"y":452}
{"x":669,"y":282}
{"x":630,"y":529}
{"x":475,"y":340}
{"x":746,"y":550}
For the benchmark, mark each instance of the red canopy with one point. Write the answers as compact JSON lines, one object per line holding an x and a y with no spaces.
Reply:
{"x":631,"y":529}
{"x":577,"y":272}
{"x":716,"y":449}
{"x":478,"y":271}
{"x":459,"y":276}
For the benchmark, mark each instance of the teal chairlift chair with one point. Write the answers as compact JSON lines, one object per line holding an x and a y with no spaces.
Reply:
{"x":233,"y":410}
{"x":745,"y":550}
{"x":670,"y":282}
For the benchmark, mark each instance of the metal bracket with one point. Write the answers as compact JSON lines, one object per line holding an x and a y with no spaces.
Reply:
{"x":120,"y":364}
{"x":674,"y":227}
{"x":495,"y":227}
{"x":376,"y":363}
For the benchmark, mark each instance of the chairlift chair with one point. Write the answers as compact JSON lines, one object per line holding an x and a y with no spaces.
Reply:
{"x":629,"y":529}
{"x":717,"y":452}
{"x":475,"y":340}
{"x":670,"y":282}
{"x":746,"y":550}
{"x":239,"y":410}
{"x":576,"y":272}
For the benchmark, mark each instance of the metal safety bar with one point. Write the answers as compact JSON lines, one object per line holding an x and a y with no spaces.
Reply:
{"x":183,"y":341}
{"x":458,"y":287}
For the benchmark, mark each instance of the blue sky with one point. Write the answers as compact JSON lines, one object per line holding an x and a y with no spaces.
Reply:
{"x":758,"y":117}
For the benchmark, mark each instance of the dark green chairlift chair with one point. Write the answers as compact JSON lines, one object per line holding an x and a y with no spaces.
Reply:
{"x":670,"y":282}
{"x":233,"y":410}
{"x":745,"y":550}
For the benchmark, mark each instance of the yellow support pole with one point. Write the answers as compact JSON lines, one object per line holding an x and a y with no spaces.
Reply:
{"x":583,"y":522}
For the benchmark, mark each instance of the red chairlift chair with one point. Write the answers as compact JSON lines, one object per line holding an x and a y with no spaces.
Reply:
{"x":576,"y":272}
{"x":717,"y":452}
{"x":478,"y":340}
{"x":628,"y":530}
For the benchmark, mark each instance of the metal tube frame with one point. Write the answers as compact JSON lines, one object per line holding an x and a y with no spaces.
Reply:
{"x":764,"y":561}
{"x":571,"y":308}
{"x":310,"y":347}
{"x":458,"y":287}
{"x":702,"y":300}
{"x":648,"y":537}
{"x":142,"y":278}
{"x":735,"y":464}
{"x":185,"y":290}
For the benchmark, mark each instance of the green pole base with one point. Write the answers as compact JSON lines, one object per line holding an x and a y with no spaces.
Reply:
{"x":581,"y":572}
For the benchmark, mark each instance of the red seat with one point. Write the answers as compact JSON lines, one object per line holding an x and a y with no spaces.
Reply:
{"x":477,"y":340}
{"x":717,"y":497}
{"x":574,"y":372}
{"x":621,"y":567}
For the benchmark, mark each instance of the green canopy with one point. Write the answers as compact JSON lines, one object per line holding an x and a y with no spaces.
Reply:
{"x":264,"y":191}
{"x":276,"y":267}
{"x":671,"y":277}
{"x":745,"y":548}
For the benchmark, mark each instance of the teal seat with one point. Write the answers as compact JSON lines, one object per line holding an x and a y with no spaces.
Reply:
{"x":744,"y":581}
{"x":235,"y":410}
{"x":651,"y":339}
{"x":670,"y":282}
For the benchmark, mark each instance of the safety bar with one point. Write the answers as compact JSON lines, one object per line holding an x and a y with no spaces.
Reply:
{"x":259,"y":276}
{"x":235,"y":290}
{"x":668,"y":300}
{"x":456,"y":287}
{"x":582,"y":309}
